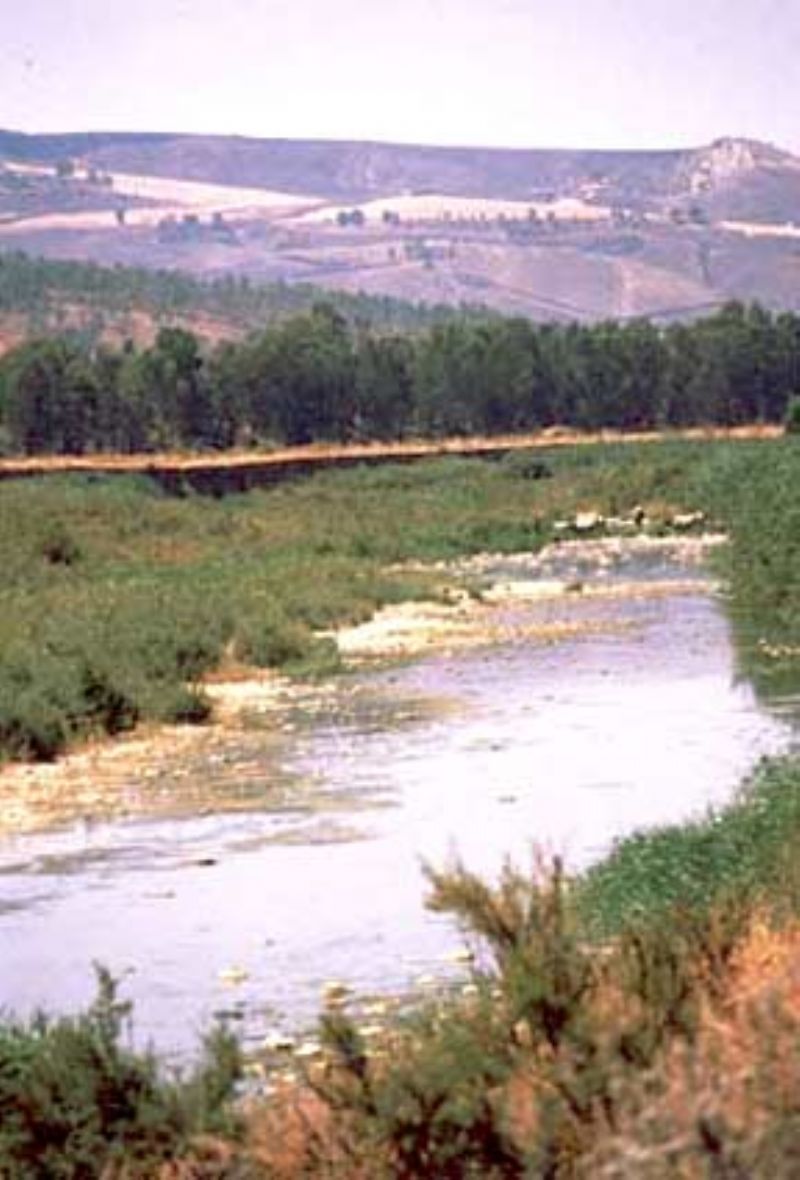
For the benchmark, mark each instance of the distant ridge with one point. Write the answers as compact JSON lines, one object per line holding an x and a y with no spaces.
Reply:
{"x":554,"y":234}
{"x":357,"y":170}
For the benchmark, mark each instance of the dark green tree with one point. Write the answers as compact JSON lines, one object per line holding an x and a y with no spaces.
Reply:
{"x":383,"y":386}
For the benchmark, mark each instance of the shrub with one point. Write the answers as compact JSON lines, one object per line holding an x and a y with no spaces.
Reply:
{"x":525,"y":465}
{"x":522,"y":1075}
{"x":31,"y":726}
{"x":76,"y":1103}
{"x":39,"y":702}
{"x":792,"y":419}
{"x":177,"y":703}
{"x":270,"y":640}
{"x":290,"y":646}
{"x":105,"y":706}
{"x":59,"y":547}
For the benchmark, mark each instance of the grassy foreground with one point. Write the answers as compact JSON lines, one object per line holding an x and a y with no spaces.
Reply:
{"x":642,"y":1022}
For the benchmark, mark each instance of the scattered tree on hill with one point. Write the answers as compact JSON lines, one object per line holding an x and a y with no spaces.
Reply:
{"x":38,"y":288}
{"x":347,"y":217}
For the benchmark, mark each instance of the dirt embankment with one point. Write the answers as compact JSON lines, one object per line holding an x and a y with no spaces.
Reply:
{"x":240,"y":469}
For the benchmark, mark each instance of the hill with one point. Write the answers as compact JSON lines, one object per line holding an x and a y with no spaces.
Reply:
{"x":349,"y":170}
{"x":93,"y":304}
{"x":355,"y":171}
{"x":561,"y":234}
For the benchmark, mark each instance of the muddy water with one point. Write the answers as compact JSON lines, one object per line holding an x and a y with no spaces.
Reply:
{"x":634,"y":718}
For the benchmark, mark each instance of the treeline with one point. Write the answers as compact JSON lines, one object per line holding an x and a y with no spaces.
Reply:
{"x":317,"y":375}
{"x":34,"y":286}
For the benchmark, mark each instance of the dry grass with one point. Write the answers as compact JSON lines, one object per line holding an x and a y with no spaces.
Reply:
{"x":326,"y":454}
{"x":723,"y":1103}
{"x":198,"y":196}
{"x":173,"y":198}
{"x":106,"y":219}
{"x":728,"y":1105}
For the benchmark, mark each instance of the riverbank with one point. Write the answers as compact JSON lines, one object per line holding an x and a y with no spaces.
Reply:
{"x":304,"y":846}
{"x":252,"y":468}
{"x":134,"y":775}
{"x":118,"y":601}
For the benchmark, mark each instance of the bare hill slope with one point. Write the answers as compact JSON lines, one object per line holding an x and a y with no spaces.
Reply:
{"x":546,"y":233}
{"x":356,"y":170}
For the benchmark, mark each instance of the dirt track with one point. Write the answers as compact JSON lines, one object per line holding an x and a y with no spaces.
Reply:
{"x":238,"y":470}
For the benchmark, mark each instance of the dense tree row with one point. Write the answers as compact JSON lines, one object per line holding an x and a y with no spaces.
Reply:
{"x":317,"y":376}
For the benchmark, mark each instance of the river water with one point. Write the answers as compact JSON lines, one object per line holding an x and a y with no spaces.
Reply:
{"x":634,"y":718}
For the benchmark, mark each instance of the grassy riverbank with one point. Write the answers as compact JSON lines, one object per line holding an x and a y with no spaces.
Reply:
{"x":643,"y":1022}
{"x":116,"y":600}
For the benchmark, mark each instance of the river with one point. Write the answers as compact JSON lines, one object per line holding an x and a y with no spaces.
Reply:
{"x":631,"y":716}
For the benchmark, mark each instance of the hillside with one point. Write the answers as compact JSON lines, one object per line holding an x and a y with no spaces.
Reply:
{"x":350,"y":170}
{"x":93,"y":304}
{"x":551,"y":234}
{"x":353,"y":170}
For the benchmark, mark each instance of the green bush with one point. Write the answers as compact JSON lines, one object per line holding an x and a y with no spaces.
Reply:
{"x":525,"y":465}
{"x":523,"y":1074}
{"x":31,"y":726}
{"x":269,"y":640}
{"x":792,"y":419}
{"x":59,"y":547}
{"x":75,"y":1103}
{"x":272,"y":641}
{"x":40,"y":703}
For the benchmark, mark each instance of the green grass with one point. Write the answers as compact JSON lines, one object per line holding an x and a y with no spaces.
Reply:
{"x":744,"y":850}
{"x":116,"y":599}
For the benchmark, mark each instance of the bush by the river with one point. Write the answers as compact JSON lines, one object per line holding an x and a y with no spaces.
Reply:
{"x":77,"y":1102}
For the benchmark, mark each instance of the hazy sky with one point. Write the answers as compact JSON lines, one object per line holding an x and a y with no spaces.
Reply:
{"x":593,"y":73}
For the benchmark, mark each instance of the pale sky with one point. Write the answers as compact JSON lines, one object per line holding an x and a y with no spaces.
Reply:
{"x":518,"y":73}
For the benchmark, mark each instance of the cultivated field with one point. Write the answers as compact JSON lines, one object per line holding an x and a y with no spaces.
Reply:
{"x":168,"y":198}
